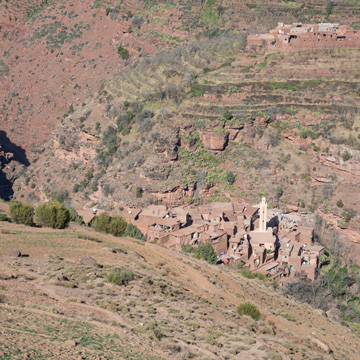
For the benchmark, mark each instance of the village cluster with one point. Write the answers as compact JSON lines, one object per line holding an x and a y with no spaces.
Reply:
{"x":251,"y":237}
{"x":298,"y":36}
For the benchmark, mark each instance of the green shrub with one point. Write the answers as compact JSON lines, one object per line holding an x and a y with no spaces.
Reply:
{"x":75,"y":217}
{"x":117,"y":226}
{"x":101,"y":222}
{"x":109,"y":225}
{"x":120,"y":276}
{"x":250,"y":275}
{"x":3,"y":217}
{"x":340,"y":203}
{"x":134,"y":232}
{"x":53,"y":215}
{"x":187,"y":248}
{"x":139,"y":192}
{"x":346,"y":156}
{"x":230,"y":177}
{"x":206,"y":252}
{"x":124,"y":53}
{"x":249,"y":309}
{"x":21,"y":213}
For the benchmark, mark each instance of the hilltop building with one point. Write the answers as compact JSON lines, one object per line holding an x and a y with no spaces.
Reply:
{"x":298,"y":36}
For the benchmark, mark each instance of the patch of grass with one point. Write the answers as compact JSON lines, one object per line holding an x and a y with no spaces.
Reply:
{"x":120,"y":276}
{"x":249,"y":309}
{"x":250,"y":275}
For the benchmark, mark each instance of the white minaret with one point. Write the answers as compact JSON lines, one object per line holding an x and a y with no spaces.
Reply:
{"x":263,"y":214}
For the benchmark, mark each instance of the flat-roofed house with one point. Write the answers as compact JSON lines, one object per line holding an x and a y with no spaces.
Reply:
{"x":159,"y":230}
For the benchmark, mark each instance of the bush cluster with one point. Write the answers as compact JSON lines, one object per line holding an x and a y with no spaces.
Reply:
{"x":109,"y":225}
{"x":134,"y":232}
{"x":250,"y":275}
{"x":124,"y":53}
{"x":120,"y":276}
{"x":249,"y":309}
{"x":116,"y":226}
{"x":53,"y":215}
{"x":203,"y":251}
{"x":21,"y":213}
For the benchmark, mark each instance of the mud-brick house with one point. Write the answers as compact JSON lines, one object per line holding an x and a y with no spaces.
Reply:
{"x":249,"y":216}
{"x":257,"y":258}
{"x":131,"y":215}
{"x":188,"y":235}
{"x":217,"y":238}
{"x":154,"y":211}
{"x":306,"y":235}
{"x":311,"y":254}
{"x":264,"y":239}
{"x":180,"y":214}
{"x":149,"y":216}
{"x":285,"y":250}
{"x":308,"y":272}
{"x":160,"y":229}
{"x":229,"y":227}
{"x":271,"y":269}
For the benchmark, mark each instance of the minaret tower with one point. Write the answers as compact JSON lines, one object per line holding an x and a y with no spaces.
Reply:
{"x":263,"y":214}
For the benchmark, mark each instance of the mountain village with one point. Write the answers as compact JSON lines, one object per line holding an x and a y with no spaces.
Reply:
{"x":251,"y":237}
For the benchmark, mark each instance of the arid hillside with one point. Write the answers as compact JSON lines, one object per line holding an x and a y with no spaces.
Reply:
{"x":171,"y":307}
{"x":210,"y":122}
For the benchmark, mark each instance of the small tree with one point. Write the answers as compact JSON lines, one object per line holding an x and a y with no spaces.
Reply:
{"x":101,"y":223}
{"x":139,"y":192}
{"x":21,"y":213}
{"x":249,"y":309}
{"x":53,"y":215}
{"x":120,"y":276}
{"x":206,"y":252}
{"x":109,"y":225}
{"x":340,"y":203}
{"x":124,"y":53}
{"x":230,"y":177}
{"x":134,"y":232}
{"x":117,"y":226}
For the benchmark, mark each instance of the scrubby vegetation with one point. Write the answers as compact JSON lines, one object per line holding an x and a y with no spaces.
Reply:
{"x":110,"y":225}
{"x":21,"y":213}
{"x":202,"y":251}
{"x":120,"y":276}
{"x":134,"y":232}
{"x":53,"y":215}
{"x":252,"y":275}
{"x":249,"y":310}
{"x":116,"y":226}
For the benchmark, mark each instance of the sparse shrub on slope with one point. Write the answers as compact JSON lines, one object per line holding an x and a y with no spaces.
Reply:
{"x":134,"y":232}
{"x":53,"y":215}
{"x":206,"y":252}
{"x":117,"y":226}
{"x":75,"y":217}
{"x":249,"y":309}
{"x":21,"y":213}
{"x":120,"y":276}
{"x":109,"y":225}
{"x":203,"y":251}
{"x":250,"y":275}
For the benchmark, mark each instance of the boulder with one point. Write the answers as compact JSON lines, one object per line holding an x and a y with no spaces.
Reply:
{"x":88,"y":260}
{"x":138,"y":256}
{"x":214,"y":141}
{"x":15,"y":253}
{"x":320,"y":344}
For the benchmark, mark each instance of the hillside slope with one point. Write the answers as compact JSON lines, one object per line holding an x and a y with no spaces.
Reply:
{"x":176,"y":306}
